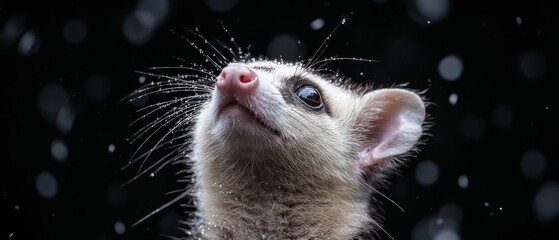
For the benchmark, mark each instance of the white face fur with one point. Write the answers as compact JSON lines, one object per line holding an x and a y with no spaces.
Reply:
{"x":282,"y":138}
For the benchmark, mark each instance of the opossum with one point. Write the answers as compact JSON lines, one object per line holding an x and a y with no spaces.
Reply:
{"x":279,"y":150}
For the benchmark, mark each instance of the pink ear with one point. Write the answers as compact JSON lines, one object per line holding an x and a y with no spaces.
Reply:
{"x":392,"y":122}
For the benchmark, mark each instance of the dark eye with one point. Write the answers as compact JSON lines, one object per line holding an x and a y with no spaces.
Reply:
{"x":310,"y":96}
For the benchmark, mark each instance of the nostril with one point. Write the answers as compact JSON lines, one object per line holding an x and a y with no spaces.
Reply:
{"x":223,"y":74}
{"x":245,"y":78}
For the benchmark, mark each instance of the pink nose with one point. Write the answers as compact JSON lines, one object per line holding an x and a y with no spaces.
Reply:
{"x":237,"y":78}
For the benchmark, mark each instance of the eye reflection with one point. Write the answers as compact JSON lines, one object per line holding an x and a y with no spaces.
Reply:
{"x":310,"y":96}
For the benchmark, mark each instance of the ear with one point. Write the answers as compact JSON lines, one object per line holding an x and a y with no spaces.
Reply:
{"x":391,"y":122}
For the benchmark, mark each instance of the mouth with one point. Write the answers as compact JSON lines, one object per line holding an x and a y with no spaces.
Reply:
{"x":246,"y":114}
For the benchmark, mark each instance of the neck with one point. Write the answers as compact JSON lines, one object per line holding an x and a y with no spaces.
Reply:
{"x":262,"y":211}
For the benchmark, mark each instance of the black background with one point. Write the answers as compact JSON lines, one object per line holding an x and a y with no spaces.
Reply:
{"x":484,"y":34}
